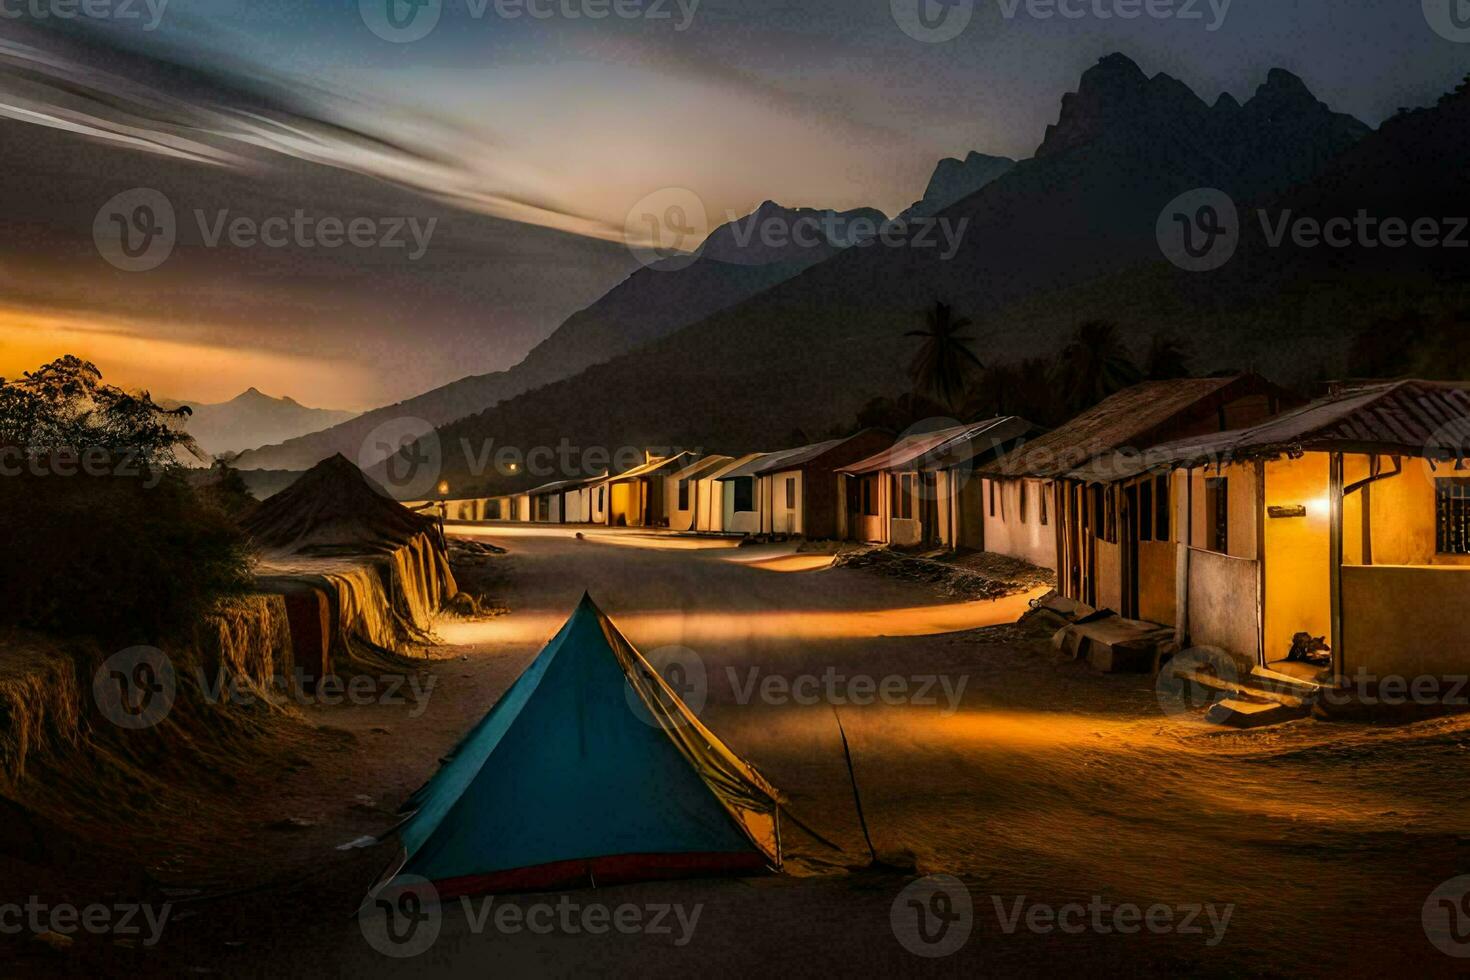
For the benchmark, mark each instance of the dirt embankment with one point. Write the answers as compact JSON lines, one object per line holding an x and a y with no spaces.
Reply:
{"x":973,"y":575}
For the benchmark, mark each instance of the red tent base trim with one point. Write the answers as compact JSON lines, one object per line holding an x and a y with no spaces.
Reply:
{"x":612,"y":870}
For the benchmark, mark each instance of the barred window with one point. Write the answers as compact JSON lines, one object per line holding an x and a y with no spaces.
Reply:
{"x":1452,"y":496}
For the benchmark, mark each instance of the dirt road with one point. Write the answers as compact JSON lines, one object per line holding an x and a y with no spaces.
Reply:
{"x":1091,"y":831}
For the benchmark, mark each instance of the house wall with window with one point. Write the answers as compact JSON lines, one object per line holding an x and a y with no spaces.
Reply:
{"x":904,"y":527}
{"x":870,"y":523}
{"x":1017,"y":518}
{"x":741,"y":506}
{"x":785,"y":497}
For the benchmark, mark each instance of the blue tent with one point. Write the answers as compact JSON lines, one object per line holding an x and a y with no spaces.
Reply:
{"x":589,"y":770}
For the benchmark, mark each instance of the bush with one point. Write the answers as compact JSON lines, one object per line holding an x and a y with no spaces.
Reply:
{"x":128,"y":560}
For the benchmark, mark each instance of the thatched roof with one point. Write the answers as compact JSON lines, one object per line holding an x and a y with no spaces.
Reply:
{"x":1134,"y":418}
{"x":1423,"y":419}
{"x":333,"y":509}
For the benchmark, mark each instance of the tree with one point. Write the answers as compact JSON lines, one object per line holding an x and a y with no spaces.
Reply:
{"x":65,"y":407}
{"x":944,"y":361}
{"x":1167,"y":358}
{"x":1095,"y":364}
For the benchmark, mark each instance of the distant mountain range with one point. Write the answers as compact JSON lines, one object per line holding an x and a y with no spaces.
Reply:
{"x":739,"y":259}
{"x":1066,"y":236}
{"x":252,"y":419}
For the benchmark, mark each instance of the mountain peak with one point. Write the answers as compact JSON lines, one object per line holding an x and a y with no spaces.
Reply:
{"x":954,"y":180}
{"x":1112,"y":94}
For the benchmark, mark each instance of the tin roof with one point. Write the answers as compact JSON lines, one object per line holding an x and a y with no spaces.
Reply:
{"x":1405,"y":418}
{"x":945,"y":447}
{"x":1132,"y":417}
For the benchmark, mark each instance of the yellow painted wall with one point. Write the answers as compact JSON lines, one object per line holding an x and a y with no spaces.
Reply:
{"x":1298,"y":570}
{"x":1403,"y":514}
{"x":622,"y":504}
{"x":1405,"y":621}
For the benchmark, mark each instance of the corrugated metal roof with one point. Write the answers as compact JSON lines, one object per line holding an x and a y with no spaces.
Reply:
{"x":753,"y":466}
{"x":1124,"y":419}
{"x":652,"y":466}
{"x":563,"y":485}
{"x":944,"y":447}
{"x":701,"y":467}
{"x":1406,"y":418}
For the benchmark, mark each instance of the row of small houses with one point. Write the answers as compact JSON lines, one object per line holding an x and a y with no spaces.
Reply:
{"x":1225,"y":508}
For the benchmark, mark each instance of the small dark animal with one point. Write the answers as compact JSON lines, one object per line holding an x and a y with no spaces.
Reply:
{"x":1309,"y":649}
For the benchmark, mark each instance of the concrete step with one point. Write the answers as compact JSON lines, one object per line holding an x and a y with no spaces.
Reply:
{"x":1246,"y":689}
{"x":1244,"y":713}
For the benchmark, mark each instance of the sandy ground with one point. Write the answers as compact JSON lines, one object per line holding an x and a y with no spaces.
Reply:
{"x":1037,"y":784}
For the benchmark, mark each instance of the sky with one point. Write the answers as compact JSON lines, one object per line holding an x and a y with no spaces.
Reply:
{"x":567,"y":122}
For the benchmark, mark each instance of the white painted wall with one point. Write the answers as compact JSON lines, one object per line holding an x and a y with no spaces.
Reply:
{"x":1010,"y":532}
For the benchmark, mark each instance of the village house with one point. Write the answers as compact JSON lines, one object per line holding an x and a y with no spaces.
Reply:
{"x":582,"y":500}
{"x":635,"y":498}
{"x":740,"y":492}
{"x":1019,"y":493}
{"x":709,"y":494}
{"x":681,"y":494}
{"x":919,"y":491}
{"x":1347,"y":520}
{"x":798,"y":492}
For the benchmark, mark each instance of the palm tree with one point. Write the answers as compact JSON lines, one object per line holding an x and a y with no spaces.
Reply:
{"x":944,"y":361}
{"x":1167,"y":358}
{"x":1095,"y":364}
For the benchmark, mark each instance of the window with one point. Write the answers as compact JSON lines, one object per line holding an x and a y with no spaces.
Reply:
{"x":870,"y":496}
{"x":600,"y":492}
{"x":683,"y":494}
{"x":1452,"y":515}
{"x":1217,"y":514}
{"x":992,"y":498}
{"x":1042,"y":495}
{"x":1164,"y":504}
{"x":1146,"y":511}
{"x":1022,"y":510}
{"x":903,"y":495}
{"x":744,"y":494}
{"x":1099,"y":512}
{"x":791,"y":493}
{"x":543,"y":509}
